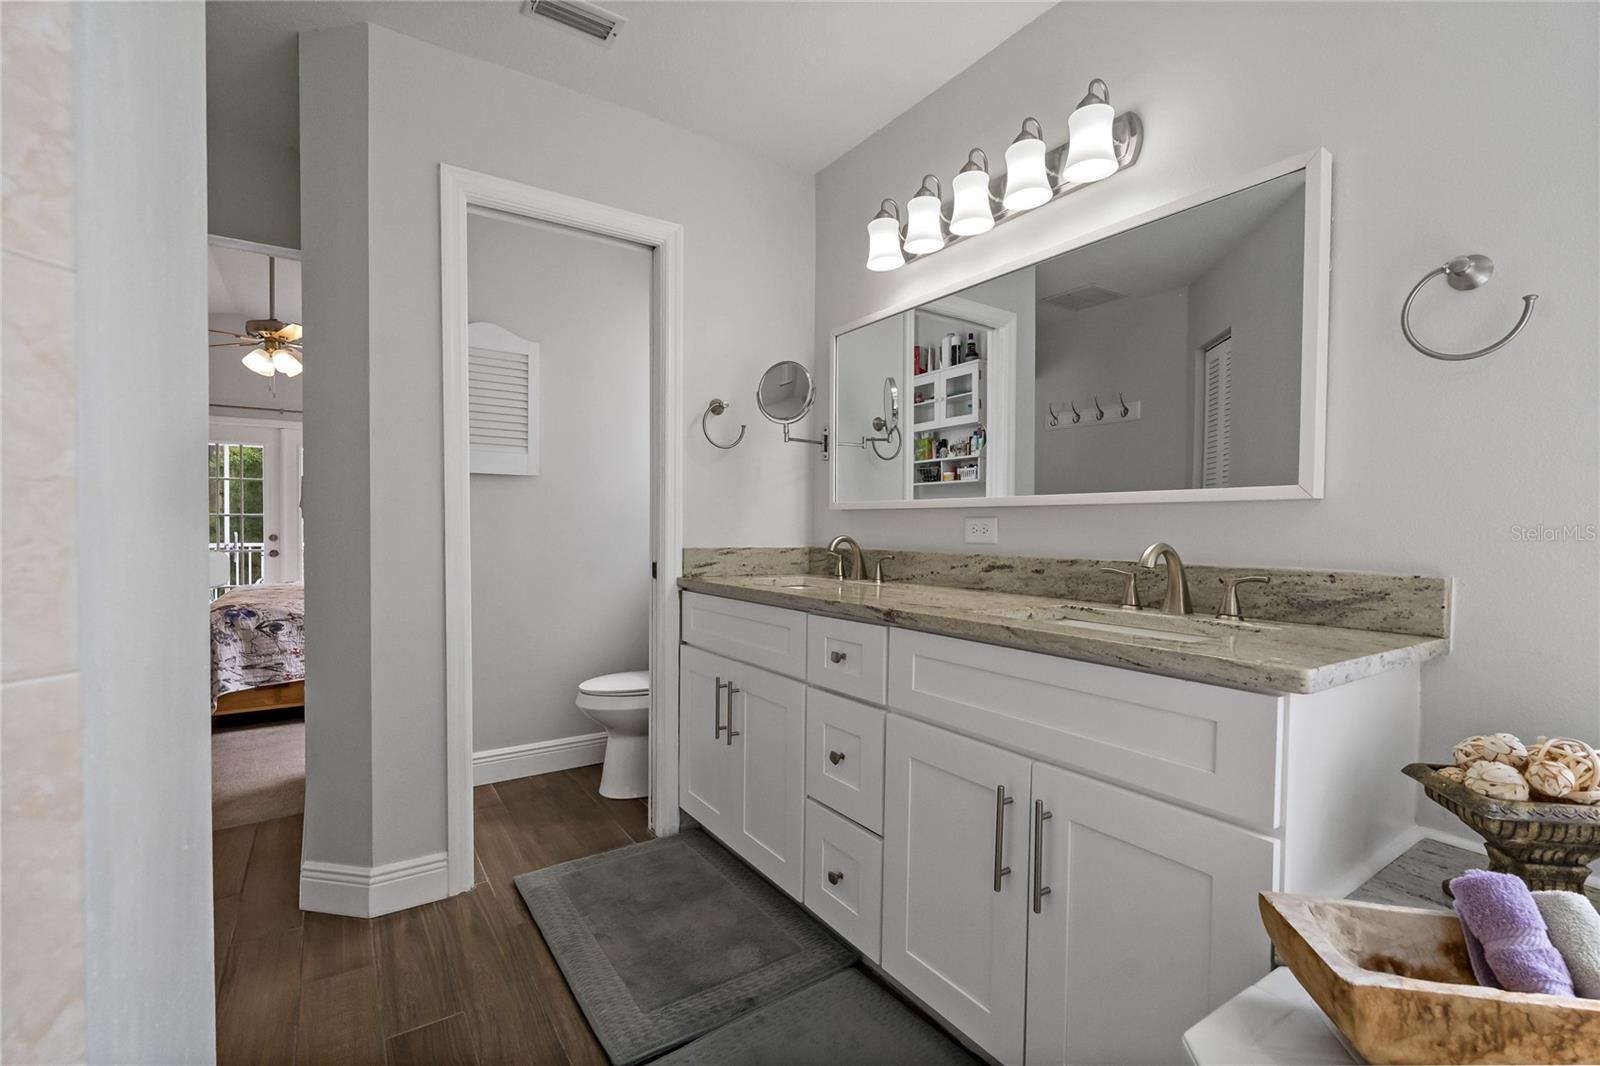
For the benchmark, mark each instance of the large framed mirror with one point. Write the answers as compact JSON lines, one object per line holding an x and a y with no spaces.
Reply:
{"x":1180,"y":355}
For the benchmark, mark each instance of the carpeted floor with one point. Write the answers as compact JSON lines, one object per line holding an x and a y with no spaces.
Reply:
{"x":258,"y":770}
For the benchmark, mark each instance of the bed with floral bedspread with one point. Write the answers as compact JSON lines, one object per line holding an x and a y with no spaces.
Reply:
{"x":258,"y":638}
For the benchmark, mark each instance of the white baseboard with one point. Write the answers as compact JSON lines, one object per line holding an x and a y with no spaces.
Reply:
{"x":368,"y":891}
{"x":540,"y":757}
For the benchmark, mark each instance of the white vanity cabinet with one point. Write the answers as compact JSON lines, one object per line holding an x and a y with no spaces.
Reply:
{"x":1059,"y":858}
{"x":955,"y":863}
{"x":741,"y":761}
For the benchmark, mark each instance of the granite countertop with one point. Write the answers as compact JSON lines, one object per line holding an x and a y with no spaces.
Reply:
{"x":1259,"y":656}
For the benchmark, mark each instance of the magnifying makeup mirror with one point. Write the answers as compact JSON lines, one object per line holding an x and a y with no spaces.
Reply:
{"x":784,"y":395}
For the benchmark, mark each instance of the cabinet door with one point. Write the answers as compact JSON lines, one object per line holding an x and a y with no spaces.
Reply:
{"x":708,"y":769}
{"x":953,"y":939}
{"x":1149,"y":924}
{"x":768,"y":715}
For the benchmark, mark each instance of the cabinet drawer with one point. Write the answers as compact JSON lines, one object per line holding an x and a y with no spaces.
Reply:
{"x":1211,"y":747}
{"x":847,"y":657}
{"x":844,"y":877}
{"x":769,"y":637}
{"x":844,"y":756}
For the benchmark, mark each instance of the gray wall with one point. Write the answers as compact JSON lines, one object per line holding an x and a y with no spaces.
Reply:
{"x":140,"y":95}
{"x":1432,"y":467}
{"x":389,"y":111}
{"x":561,"y":561}
{"x":1249,"y":292}
{"x":1137,"y":346}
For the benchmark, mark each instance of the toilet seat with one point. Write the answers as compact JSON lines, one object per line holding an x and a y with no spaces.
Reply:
{"x":626,"y":683}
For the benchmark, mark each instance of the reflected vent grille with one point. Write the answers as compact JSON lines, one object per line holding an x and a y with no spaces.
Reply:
{"x":575,"y":15}
{"x":1083,"y":298}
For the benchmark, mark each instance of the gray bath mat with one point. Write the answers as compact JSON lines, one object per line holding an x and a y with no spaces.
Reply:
{"x":847,"y":1020}
{"x":664,"y":941}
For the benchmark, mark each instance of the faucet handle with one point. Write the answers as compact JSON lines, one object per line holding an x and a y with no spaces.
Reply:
{"x":1230,"y":595}
{"x":838,"y":559}
{"x":1130,"y":586}
{"x":877,"y":568}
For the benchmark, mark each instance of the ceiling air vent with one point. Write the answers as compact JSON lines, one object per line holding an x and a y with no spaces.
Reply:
{"x":1083,"y":298}
{"x":576,"y":15}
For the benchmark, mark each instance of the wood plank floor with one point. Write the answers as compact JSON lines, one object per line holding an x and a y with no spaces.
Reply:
{"x":465,"y":980}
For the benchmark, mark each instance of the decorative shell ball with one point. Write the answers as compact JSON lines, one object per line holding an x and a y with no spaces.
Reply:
{"x":1496,"y":780}
{"x":1495,"y":747}
{"x":1564,"y":768}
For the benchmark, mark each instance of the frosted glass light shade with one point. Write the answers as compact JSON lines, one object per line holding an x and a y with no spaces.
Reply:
{"x":883,"y":245}
{"x":924,"y":227}
{"x":972,"y":214}
{"x":1027,"y":179}
{"x":285,"y":362}
{"x":1090,"y":155}
{"x":258,"y":360}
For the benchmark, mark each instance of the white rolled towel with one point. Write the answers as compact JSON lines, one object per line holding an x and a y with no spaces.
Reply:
{"x":1574,"y":928}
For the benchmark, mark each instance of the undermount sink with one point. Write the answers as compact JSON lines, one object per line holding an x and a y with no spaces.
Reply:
{"x":1062,"y":616}
{"x":802,"y":581}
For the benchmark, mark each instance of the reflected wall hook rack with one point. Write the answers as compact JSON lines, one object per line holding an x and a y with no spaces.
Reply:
{"x":717,"y":407}
{"x":1463,"y":273}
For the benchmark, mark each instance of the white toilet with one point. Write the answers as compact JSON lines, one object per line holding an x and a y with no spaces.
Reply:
{"x":620,"y":704}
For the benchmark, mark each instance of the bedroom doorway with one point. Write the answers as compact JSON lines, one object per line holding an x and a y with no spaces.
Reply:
{"x":255,"y":461}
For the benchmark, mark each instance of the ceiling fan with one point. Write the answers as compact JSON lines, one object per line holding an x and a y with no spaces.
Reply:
{"x":274,"y":346}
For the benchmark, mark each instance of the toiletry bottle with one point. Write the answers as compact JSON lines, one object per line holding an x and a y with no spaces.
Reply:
{"x":972,"y":348}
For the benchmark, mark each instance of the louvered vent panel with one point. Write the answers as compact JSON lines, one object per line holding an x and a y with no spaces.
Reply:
{"x":502,"y":413}
{"x":1218,"y":415}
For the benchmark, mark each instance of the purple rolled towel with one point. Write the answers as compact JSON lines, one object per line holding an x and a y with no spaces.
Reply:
{"x":1500,"y":912}
{"x":1480,"y":965}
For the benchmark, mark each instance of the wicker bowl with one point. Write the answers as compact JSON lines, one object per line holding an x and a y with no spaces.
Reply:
{"x":1548,"y":845}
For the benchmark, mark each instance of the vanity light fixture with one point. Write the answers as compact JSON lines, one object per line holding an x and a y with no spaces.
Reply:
{"x":973,"y":213}
{"x":1100,"y":143}
{"x":925,"y":219}
{"x":1027,"y":178}
{"x":1090,"y":152}
{"x":883,"y":238}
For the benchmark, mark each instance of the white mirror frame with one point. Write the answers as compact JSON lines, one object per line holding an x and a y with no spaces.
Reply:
{"x":1318,"y":167}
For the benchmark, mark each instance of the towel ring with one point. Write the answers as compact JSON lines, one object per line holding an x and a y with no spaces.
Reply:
{"x":1463,"y":273}
{"x":716,"y":407}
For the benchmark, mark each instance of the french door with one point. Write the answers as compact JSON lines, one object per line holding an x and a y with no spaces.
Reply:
{"x":253,"y":472}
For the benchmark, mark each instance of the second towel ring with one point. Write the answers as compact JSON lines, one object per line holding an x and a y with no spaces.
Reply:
{"x":716,"y":407}
{"x":1463,"y":273}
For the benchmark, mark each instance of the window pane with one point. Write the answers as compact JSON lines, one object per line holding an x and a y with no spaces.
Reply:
{"x":251,"y":500}
{"x":216,"y":530}
{"x":250,"y":462}
{"x":233,"y":459}
{"x":216,"y":495}
{"x":252,"y":530}
{"x":214,"y":460}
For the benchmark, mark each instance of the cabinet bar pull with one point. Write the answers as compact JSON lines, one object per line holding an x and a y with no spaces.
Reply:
{"x":1001,"y":802}
{"x":731,"y":732}
{"x":1040,"y":889}
{"x":716,"y":712}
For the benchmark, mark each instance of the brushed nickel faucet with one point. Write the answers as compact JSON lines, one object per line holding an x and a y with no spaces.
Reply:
{"x":857,"y":568}
{"x":1177,"y":601}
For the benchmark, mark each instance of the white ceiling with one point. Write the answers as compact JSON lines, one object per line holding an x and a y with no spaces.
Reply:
{"x":798,"y":82}
{"x":237,"y":285}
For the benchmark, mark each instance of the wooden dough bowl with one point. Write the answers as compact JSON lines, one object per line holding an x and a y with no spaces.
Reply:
{"x":1396,"y":982}
{"x":1547,"y":844}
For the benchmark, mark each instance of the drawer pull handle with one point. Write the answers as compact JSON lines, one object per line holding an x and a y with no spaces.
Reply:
{"x":835,"y":876}
{"x":716,"y":711}
{"x":1040,"y":889}
{"x":837,"y":656}
{"x":731,"y":732}
{"x":836,"y":757}
{"x":1001,"y":802}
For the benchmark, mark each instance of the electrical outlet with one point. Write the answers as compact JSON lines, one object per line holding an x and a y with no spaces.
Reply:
{"x":982,"y":530}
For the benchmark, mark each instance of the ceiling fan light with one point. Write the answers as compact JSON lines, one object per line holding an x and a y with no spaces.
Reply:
{"x":259,"y":361}
{"x":285,"y":362}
